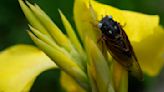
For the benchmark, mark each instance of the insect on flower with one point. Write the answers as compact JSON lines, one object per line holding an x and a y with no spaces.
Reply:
{"x":119,"y":46}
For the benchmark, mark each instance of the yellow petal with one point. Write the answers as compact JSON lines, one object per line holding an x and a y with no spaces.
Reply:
{"x":136,"y":25}
{"x":140,"y":28}
{"x":150,"y":52}
{"x":69,"y":84}
{"x":20,"y":65}
{"x":83,"y":20}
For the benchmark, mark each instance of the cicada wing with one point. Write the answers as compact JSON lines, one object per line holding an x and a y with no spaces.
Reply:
{"x":124,"y":54}
{"x":127,"y":42}
{"x":119,"y":54}
{"x":136,"y":71}
{"x":128,"y":63}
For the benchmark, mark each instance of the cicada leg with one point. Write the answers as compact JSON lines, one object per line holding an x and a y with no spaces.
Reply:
{"x":101,"y":44}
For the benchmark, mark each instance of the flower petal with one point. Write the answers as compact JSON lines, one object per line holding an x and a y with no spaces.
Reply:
{"x":150,"y":52}
{"x":137,"y":25}
{"x":83,"y":20}
{"x":20,"y":65}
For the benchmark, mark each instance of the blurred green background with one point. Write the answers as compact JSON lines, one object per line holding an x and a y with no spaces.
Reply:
{"x":13,"y":27}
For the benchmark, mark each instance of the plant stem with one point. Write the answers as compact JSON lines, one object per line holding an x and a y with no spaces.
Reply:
{"x":124,"y":81}
{"x":120,"y":78}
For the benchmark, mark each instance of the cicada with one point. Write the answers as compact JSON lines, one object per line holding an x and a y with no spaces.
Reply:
{"x":119,"y":46}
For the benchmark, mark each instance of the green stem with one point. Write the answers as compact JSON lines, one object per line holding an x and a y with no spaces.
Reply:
{"x":124,"y":81}
{"x":120,"y":78}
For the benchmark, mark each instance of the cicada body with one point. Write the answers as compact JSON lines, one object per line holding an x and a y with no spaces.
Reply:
{"x":119,"y":46}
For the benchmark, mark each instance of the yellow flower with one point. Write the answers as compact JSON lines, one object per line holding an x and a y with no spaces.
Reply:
{"x":84,"y":68}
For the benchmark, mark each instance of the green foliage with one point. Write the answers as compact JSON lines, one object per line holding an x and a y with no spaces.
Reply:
{"x":47,"y":82}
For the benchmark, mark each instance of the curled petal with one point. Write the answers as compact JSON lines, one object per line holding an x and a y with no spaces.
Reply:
{"x":20,"y":65}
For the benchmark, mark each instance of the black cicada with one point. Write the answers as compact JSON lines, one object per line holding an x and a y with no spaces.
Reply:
{"x":119,"y":46}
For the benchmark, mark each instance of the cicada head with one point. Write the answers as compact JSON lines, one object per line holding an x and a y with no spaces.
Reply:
{"x":109,"y":27}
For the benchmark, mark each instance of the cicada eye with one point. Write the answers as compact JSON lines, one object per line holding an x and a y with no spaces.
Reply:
{"x":110,"y":17}
{"x":110,"y":31}
{"x":100,"y":25}
{"x":115,"y":27}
